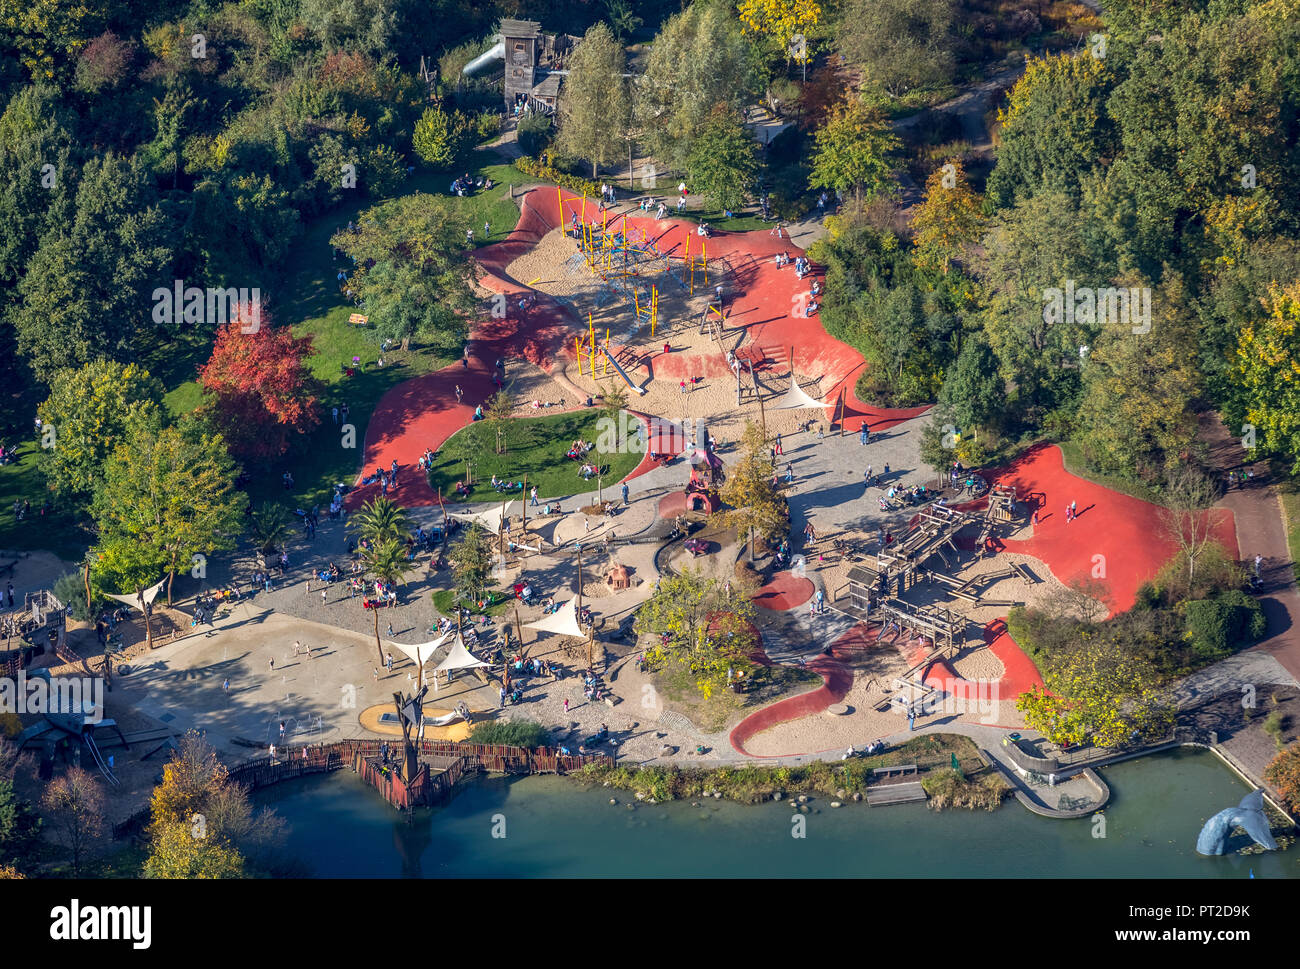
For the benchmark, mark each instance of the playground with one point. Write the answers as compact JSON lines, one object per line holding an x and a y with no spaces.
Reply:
{"x":898,"y":606}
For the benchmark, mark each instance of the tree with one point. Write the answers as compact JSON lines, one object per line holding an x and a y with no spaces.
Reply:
{"x":756,"y":507}
{"x":90,"y":411}
{"x":471,"y":563}
{"x":104,"y":63}
{"x":173,"y":491}
{"x":1136,"y":415}
{"x":853,"y":150}
{"x":466,"y":445}
{"x":947,"y":220}
{"x":47,"y":34}
{"x":498,"y":413}
{"x":73,"y":805}
{"x":1187,"y":516}
{"x":442,"y":137}
{"x":413,"y":270}
{"x":780,"y":20}
{"x":972,"y":390}
{"x":379,"y":520}
{"x":201,"y":823}
{"x":86,"y":285}
{"x":1097,"y":692}
{"x":622,"y":20}
{"x":723,"y":163}
{"x":708,"y":630}
{"x":899,"y":45}
{"x":594,"y":102}
{"x":269,"y":526}
{"x":1054,"y":128}
{"x":1030,"y":249}
{"x":386,"y":560}
{"x":699,"y":59}
{"x":263,"y":396}
{"x":613,"y":398}
{"x":1266,"y":372}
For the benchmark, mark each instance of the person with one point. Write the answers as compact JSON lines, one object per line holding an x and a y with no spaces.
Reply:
{"x":478,"y":412}
{"x":282,"y":730}
{"x":864,"y":433}
{"x":225,"y":686}
{"x":625,"y":493}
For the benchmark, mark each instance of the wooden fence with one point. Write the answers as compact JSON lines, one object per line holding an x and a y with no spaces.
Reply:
{"x":466,"y":759}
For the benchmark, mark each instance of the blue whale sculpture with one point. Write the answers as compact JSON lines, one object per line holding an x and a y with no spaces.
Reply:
{"x":1249,"y":815}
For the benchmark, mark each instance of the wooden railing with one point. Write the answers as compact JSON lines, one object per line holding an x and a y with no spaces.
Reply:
{"x":426,"y":788}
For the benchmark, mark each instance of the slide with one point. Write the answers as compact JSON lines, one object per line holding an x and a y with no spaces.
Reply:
{"x":621,"y":372}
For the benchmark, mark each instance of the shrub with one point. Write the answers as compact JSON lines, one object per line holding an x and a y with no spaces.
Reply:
{"x":487,"y":124}
{"x":70,"y":589}
{"x":534,"y":133}
{"x":533,"y":167}
{"x":442,"y":137}
{"x":1216,"y":626}
{"x":1274,"y":724}
{"x":1284,"y":774}
{"x":511,"y":733}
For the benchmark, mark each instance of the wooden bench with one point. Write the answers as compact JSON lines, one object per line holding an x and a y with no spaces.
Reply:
{"x":358,"y":319}
{"x":896,"y":769}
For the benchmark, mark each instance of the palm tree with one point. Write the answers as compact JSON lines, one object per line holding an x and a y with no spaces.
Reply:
{"x":270,"y":525}
{"x":386,"y":560}
{"x":379,"y":520}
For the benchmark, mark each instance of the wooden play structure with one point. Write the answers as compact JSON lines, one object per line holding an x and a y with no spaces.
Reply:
{"x":876,"y":590}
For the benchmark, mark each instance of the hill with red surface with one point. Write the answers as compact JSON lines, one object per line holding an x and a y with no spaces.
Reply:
{"x":1126,"y":532}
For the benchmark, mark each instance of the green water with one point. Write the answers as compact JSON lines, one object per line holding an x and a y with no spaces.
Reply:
{"x":556,"y":827}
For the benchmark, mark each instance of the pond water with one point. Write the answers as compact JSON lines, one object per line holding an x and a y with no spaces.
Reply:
{"x":557,"y":827}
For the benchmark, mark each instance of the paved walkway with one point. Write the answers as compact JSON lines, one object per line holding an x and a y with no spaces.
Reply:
{"x":1261,"y":530}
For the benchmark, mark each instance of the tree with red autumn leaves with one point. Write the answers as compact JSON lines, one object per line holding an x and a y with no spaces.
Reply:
{"x":262,"y":394}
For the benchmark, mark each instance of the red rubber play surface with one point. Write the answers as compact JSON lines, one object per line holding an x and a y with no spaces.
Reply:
{"x":784,"y":591}
{"x":1125,"y":532}
{"x":837,"y":680}
{"x":422,"y":413}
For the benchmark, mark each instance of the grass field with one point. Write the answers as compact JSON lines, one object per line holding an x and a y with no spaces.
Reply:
{"x":58,"y":531}
{"x":536,"y":448}
{"x":314,"y":307}
{"x":1290,"y":492}
{"x":444,"y":600}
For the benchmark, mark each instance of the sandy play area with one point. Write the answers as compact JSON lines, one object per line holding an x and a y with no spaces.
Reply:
{"x":554,"y":266}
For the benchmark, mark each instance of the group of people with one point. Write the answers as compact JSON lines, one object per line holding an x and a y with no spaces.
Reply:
{"x":501,"y":485}
{"x":385,"y":478}
{"x":467,"y":185}
{"x":426,"y":459}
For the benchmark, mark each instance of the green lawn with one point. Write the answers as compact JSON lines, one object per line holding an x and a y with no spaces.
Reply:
{"x":317,"y":309}
{"x":1290,"y":491}
{"x":1074,"y":463}
{"x":57,"y":532}
{"x":444,"y":600}
{"x":537,"y":448}
{"x":494,"y":206}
